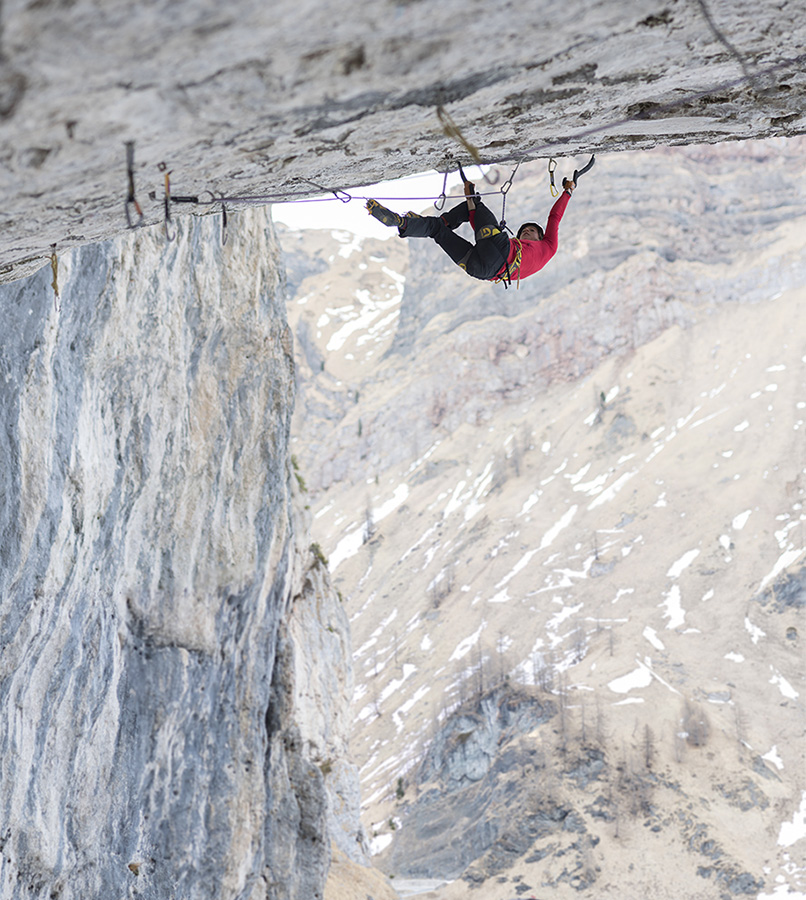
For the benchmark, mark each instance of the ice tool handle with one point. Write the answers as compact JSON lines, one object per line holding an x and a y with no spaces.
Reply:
{"x":584,"y":169}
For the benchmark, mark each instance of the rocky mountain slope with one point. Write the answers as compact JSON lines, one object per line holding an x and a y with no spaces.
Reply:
{"x":155,"y":579}
{"x":279,"y":98}
{"x":568,"y":522}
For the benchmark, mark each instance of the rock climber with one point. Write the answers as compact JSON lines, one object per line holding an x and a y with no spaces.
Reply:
{"x":494,"y":256}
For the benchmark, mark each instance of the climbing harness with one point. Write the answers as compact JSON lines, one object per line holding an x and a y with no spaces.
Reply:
{"x":487,"y":232}
{"x":131,"y":200}
{"x":505,"y":275}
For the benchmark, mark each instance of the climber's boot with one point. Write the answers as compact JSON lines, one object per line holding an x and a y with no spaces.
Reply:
{"x":385,"y":216}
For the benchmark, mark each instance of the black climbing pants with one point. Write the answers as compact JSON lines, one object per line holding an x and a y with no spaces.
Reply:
{"x":485,"y":258}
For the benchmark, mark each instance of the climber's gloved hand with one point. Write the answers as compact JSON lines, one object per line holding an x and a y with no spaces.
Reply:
{"x":569,"y":185}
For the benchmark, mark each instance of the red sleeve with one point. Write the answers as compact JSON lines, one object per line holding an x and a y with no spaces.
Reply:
{"x":551,"y":238}
{"x":472,"y":217}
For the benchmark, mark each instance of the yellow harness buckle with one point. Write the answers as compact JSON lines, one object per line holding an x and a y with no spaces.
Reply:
{"x":487,"y":232}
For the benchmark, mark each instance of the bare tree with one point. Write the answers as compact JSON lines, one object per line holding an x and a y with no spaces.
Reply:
{"x":501,"y":647}
{"x":461,"y":686}
{"x":547,"y":674}
{"x":376,"y":691}
{"x":499,"y":473}
{"x":450,"y":575}
{"x":600,"y":723}
{"x":583,"y":728}
{"x":649,"y":747}
{"x":679,"y":745}
{"x":696,"y":724}
{"x":396,"y":647}
{"x":480,"y":679}
{"x":369,"y":522}
{"x":535,"y":667}
{"x":516,"y":457}
{"x":741,"y":730}
{"x":579,"y":644}
{"x":562,"y":697}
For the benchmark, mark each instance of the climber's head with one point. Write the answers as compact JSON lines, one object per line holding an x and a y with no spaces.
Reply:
{"x":530,"y":231}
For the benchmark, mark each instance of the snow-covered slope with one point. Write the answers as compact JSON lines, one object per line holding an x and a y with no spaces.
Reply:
{"x":597,"y":498}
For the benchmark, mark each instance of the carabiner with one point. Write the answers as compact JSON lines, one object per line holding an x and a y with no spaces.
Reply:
{"x":337,"y":193}
{"x":439,"y":203}
{"x":552,"y":187}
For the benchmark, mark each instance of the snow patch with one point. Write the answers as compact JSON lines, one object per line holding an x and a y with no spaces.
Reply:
{"x":465,"y":646}
{"x":651,"y":635}
{"x":674,"y":610}
{"x":380,"y":843}
{"x":741,"y":520}
{"x":683,"y":563}
{"x":753,"y":630}
{"x":638,"y":678}
{"x":785,"y":560}
{"x":552,"y":533}
{"x":607,"y":495}
{"x":774,"y":758}
{"x":794,"y":831}
{"x":783,"y":685}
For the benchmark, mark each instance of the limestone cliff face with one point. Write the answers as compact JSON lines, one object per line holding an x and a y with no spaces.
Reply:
{"x":154,"y":558}
{"x":270,"y":97}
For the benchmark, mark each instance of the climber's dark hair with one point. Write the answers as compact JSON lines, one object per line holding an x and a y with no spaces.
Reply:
{"x":534,"y":225}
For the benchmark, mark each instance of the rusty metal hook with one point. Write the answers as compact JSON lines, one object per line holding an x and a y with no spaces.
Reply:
{"x":170,"y":230}
{"x":131,"y":200}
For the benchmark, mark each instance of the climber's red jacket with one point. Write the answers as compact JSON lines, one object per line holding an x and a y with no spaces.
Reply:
{"x":527,"y":257}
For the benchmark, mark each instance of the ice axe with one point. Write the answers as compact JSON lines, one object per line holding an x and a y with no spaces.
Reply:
{"x":584,"y":169}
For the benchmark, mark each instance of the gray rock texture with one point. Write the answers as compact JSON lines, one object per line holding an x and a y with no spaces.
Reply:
{"x":319,"y":632}
{"x":164,"y":729}
{"x":155,"y":572}
{"x":469,"y":786}
{"x":270,"y":97}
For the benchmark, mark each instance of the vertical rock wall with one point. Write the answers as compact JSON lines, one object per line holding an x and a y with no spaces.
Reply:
{"x":148,"y":556}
